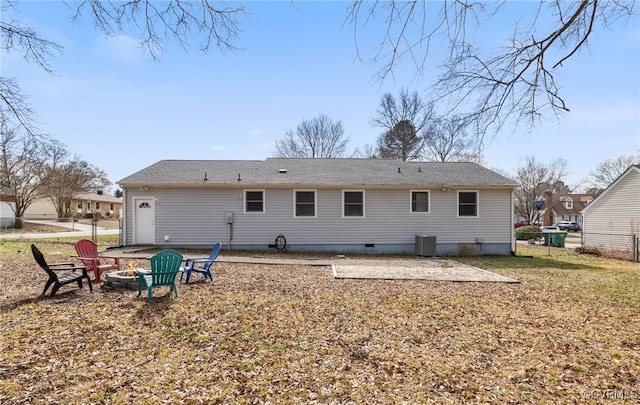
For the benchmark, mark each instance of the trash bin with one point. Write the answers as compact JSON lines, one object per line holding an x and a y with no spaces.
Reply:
{"x":558,"y":238}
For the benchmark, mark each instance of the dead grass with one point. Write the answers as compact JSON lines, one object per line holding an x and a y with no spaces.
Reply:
{"x":30,"y":227}
{"x":292,"y":334}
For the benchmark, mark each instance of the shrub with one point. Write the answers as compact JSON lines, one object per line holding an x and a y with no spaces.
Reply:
{"x":528,"y":232}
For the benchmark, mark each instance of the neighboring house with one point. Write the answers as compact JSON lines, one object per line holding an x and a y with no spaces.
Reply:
{"x":612,"y":221}
{"x":84,"y":205}
{"x":565,"y":207}
{"x":7,"y":211}
{"x":336,"y":205}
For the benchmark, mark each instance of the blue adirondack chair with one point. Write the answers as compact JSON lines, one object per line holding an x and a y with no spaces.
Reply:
{"x":164,"y":268}
{"x":205,"y":269}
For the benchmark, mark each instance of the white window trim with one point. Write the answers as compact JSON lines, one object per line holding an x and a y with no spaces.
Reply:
{"x":364,"y":205}
{"x":411,"y":211}
{"x":477,"y":204}
{"x":244,"y":201}
{"x":315,"y":203}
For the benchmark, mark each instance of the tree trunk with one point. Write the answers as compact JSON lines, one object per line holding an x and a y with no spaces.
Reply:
{"x":19,"y":223}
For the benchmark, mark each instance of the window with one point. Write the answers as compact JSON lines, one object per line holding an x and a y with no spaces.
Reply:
{"x":97,"y":206}
{"x":467,"y":204}
{"x":254,"y":200}
{"x":419,"y":201}
{"x":305,"y":203}
{"x":568,"y":204}
{"x":111,"y":206}
{"x":353,"y":203}
{"x":80,"y":205}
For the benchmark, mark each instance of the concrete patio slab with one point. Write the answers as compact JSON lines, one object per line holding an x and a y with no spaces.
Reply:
{"x":431,"y":269}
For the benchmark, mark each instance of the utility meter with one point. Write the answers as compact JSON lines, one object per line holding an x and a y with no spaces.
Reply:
{"x":228,"y":216}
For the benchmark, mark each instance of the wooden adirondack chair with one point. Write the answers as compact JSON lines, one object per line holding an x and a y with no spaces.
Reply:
{"x":191,"y":265}
{"x":88,"y":253}
{"x":74,"y":274}
{"x":165,"y":265}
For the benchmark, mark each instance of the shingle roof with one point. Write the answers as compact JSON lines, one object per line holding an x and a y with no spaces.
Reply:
{"x":316,"y":172}
{"x":579,"y":202}
{"x":98,"y":197}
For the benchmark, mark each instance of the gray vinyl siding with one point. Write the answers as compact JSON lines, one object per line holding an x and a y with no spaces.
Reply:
{"x":615,"y":212}
{"x":196,"y":217}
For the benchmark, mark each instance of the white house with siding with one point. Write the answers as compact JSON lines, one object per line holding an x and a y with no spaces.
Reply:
{"x":82,"y":205}
{"x":613,"y":218}
{"x":7,"y":211}
{"x":337,"y":205}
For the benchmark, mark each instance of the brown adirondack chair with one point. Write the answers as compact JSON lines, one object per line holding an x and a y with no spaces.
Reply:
{"x":88,"y":253}
{"x":74,"y":274}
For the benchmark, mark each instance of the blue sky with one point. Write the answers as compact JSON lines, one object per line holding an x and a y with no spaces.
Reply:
{"x":117,"y":108}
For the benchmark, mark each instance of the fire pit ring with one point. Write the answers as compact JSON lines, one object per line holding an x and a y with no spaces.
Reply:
{"x":120,"y":280}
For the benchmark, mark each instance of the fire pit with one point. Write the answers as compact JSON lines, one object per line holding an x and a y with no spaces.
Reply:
{"x":122,"y":280}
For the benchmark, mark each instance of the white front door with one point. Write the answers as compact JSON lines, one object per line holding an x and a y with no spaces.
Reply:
{"x":144,"y":221}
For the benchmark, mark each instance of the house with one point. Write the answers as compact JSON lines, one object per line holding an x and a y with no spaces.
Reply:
{"x":565,"y":207}
{"x":84,"y":205}
{"x":337,"y":205}
{"x":612,"y":221}
{"x":7,"y":211}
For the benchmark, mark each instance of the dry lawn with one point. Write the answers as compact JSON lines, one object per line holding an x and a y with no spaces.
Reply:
{"x":33,"y":227}
{"x":292,"y":334}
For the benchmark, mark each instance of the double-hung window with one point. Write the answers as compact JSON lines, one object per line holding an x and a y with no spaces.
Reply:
{"x":305,"y":203}
{"x":254,"y":201}
{"x":467,"y":203}
{"x":353,"y":202}
{"x":419,"y":201}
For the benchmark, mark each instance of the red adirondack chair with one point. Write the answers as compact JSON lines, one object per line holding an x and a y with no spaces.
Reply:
{"x":88,"y":253}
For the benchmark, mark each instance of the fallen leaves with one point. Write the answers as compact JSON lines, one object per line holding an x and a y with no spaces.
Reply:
{"x":287,"y":333}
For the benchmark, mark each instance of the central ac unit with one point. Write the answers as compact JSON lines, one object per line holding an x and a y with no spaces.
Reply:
{"x":425,"y":245}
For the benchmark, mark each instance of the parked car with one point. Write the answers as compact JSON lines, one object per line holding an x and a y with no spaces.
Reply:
{"x":548,"y":229}
{"x":568,"y":226}
{"x":521,"y":223}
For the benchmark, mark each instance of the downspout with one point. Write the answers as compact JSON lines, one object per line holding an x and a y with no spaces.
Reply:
{"x":512,"y":228}
{"x":123,"y":219}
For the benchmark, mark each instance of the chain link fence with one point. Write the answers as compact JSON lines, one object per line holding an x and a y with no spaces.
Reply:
{"x":619,"y":246}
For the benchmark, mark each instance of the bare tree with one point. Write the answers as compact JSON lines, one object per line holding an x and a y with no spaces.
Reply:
{"x":403,"y":119}
{"x":447,"y":140}
{"x":21,"y":169}
{"x":36,"y":167}
{"x":366,"y":151}
{"x":402,"y":142}
{"x":207,"y":23}
{"x":66,"y":178}
{"x":211,"y":23}
{"x":318,"y":137}
{"x":407,"y":107}
{"x":535,"y":178}
{"x":517,"y":83}
{"x":610,"y":169}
